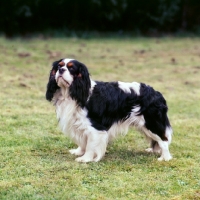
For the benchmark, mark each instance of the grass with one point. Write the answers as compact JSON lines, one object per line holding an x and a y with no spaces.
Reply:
{"x":34,"y":159}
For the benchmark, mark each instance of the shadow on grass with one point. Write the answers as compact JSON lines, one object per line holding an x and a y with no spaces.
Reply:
{"x":59,"y":152}
{"x":125,"y":155}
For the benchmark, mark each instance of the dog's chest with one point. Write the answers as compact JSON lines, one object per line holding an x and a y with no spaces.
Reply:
{"x":66,"y":110}
{"x":71,"y":118}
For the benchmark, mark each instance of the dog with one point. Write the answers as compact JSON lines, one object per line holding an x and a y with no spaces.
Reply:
{"x":93,"y":113}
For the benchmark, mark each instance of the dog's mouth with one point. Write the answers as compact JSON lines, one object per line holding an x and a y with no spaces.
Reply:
{"x":62,"y":81}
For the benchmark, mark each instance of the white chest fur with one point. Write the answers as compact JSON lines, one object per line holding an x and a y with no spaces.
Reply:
{"x":73,"y":120}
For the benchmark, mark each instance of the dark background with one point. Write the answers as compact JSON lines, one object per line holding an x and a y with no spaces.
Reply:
{"x":23,"y":17}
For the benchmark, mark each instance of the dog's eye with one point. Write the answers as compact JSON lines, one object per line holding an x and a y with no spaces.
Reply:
{"x":70,"y":69}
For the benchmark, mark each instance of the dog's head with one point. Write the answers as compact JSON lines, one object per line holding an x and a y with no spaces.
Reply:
{"x":69,"y":74}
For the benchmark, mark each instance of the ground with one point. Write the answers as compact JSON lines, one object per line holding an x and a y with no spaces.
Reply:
{"x":34,"y":158}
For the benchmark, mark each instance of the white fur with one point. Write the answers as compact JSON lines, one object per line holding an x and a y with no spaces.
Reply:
{"x":64,"y":80}
{"x":163,"y":145}
{"x":122,"y":127}
{"x":168,"y":133}
{"x":92,"y":87}
{"x":74,"y":123}
{"x":66,"y":76}
{"x":67,"y":60}
{"x":126,"y":87}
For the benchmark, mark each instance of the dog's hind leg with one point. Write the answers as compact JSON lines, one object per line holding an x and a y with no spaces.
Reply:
{"x":165,"y":155}
{"x":154,"y":147}
{"x":164,"y":145}
{"x":95,"y":148}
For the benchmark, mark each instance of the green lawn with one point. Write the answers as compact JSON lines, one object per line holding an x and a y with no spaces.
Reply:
{"x":34,"y":159}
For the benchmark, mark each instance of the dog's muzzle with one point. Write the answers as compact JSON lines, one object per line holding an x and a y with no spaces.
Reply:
{"x":61,"y":70}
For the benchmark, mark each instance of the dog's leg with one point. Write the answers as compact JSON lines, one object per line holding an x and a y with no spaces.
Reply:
{"x":81,"y":142}
{"x":163,"y":145}
{"x":165,"y":155}
{"x":154,"y":147}
{"x":78,"y":152}
{"x":101,"y":148}
{"x":95,"y":148}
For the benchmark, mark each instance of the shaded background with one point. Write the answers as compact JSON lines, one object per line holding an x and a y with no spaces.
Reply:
{"x":145,"y":17}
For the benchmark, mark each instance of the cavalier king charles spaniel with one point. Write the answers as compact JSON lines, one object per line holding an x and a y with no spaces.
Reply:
{"x":92,"y":113}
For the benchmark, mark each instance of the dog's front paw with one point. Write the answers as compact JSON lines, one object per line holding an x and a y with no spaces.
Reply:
{"x":149,"y":150}
{"x":166,"y":158}
{"x":84,"y":159}
{"x":153,"y":150}
{"x":77,"y":152}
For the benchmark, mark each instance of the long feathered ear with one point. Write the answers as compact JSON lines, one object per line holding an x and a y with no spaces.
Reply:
{"x":80,"y":87}
{"x":52,"y":85}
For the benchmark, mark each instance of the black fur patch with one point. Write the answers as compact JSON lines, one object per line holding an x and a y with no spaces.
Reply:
{"x":109,"y":104}
{"x":154,"y":109}
{"x":80,"y":87}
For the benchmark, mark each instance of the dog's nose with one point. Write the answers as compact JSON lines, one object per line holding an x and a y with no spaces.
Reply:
{"x":61,"y":70}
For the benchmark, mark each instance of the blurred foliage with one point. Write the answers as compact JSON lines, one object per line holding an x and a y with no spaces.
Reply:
{"x":27,"y":16}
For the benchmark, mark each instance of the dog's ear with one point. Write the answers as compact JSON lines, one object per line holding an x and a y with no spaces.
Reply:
{"x":80,"y":87}
{"x":52,"y":85}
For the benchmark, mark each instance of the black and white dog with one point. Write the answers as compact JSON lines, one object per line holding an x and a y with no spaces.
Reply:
{"x":93,"y":113}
